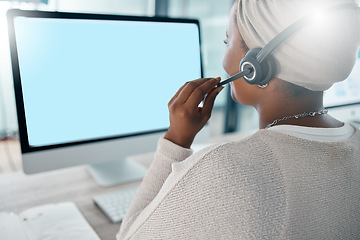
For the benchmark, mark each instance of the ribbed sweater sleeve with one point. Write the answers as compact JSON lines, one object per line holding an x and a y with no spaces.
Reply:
{"x":166,"y":154}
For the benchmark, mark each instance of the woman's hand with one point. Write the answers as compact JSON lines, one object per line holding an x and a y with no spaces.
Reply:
{"x":186,"y":117}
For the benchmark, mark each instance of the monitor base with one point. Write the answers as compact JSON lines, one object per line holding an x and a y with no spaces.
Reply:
{"x":108,"y":174}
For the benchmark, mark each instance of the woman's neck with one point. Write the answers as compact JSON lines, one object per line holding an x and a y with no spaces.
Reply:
{"x":284,"y":108}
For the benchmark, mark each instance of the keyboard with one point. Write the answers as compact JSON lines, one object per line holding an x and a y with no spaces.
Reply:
{"x":115,"y":204}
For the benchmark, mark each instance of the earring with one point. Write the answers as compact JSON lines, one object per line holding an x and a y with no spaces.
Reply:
{"x":263,"y":86}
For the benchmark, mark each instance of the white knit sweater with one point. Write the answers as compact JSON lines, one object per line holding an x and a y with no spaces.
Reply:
{"x":268,"y":186}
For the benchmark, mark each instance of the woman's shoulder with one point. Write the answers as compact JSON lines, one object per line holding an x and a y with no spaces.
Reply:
{"x":251,"y":144}
{"x":262,"y":146}
{"x":265,"y":145}
{"x":231,"y":154}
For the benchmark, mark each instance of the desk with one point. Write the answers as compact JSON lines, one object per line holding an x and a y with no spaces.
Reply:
{"x":19,"y":192}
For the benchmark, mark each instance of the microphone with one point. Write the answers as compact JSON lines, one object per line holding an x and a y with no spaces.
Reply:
{"x":236,"y":76}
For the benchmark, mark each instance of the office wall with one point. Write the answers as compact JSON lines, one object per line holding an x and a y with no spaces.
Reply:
{"x":128,"y":7}
{"x":8,"y":121}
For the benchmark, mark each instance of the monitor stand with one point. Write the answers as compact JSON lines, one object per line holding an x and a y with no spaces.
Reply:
{"x":112,"y":173}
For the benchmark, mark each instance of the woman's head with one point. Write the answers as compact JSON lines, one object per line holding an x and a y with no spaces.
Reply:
{"x":316,"y":56}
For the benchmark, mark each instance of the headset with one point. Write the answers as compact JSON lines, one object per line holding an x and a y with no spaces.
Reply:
{"x":258,"y":66}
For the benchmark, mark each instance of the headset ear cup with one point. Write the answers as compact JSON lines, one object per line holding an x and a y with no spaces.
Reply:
{"x":249,"y":61}
{"x":262,"y":72}
{"x":269,"y":67}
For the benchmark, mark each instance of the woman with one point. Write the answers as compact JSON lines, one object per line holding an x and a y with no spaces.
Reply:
{"x":298,"y":177}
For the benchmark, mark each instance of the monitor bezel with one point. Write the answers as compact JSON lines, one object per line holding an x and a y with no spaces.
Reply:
{"x":19,"y":101}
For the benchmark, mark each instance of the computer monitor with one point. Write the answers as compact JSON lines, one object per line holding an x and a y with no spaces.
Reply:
{"x":343,"y":98}
{"x":93,"y":88}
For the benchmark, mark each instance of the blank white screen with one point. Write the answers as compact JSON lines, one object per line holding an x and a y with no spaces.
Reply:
{"x":90,"y":79}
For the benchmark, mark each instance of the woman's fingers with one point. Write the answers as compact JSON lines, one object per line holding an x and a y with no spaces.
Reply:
{"x":198,"y":94}
{"x":189,"y":88}
{"x":196,"y":89}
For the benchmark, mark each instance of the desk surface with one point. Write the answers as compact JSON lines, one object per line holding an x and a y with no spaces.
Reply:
{"x":19,"y":192}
